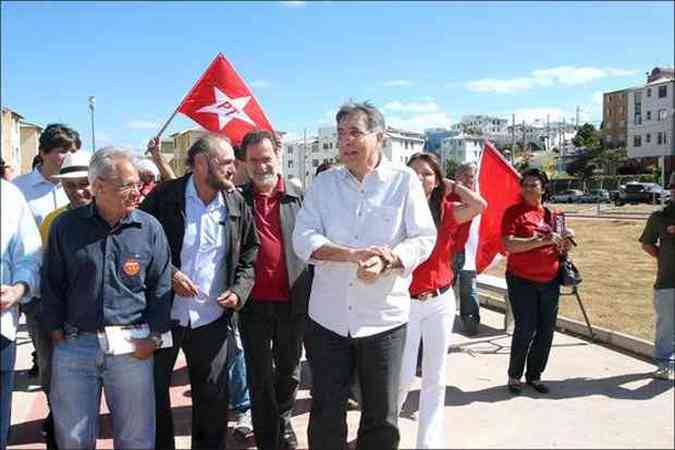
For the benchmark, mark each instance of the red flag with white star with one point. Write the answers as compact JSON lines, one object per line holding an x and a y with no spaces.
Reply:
{"x":221,"y":102}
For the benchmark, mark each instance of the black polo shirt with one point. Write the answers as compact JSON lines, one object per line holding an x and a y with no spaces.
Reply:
{"x":94,"y":275}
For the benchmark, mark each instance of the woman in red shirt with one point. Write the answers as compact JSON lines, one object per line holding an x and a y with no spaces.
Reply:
{"x":433,"y":302}
{"x":532,"y":278}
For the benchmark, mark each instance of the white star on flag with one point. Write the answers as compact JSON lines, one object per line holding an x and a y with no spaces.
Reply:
{"x":227,"y":108}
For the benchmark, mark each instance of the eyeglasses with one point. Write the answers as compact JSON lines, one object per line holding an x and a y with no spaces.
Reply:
{"x":353,"y":134}
{"x":126,"y":187}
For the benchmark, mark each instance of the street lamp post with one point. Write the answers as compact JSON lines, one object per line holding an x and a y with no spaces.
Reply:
{"x":92,"y":101}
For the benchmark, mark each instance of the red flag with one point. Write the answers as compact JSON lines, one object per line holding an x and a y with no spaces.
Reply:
{"x":222,"y":103}
{"x":499,"y":185}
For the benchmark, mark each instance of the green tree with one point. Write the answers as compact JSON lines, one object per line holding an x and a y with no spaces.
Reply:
{"x":450,"y":168}
{"x":587,"y":136}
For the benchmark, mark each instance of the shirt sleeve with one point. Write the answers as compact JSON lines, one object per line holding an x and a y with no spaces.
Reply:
{"x":158,"y":283}
{"x":650,"y":235}
{"x":420,"y":229}
{"x":309,"y":232}
{"x":26,"y":250}
{"x":509,"y":223}
{"x":53,"y":281}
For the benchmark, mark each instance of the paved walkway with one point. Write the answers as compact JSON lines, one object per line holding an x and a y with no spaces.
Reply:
{"x":599,"y":399}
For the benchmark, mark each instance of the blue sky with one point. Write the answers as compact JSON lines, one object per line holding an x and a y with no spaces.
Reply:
{"x":425,"y":64}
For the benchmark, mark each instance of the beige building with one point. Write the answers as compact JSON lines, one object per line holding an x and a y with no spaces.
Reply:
{"x":615,"y":118}
{"x":11,"y":138}
{"x":181,"y":143}
{"x":30,"y":144}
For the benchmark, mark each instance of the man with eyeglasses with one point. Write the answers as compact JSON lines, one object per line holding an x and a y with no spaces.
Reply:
{"x":366,"y":226}
{"x":106,"y":299}
{"x":213,"y":243}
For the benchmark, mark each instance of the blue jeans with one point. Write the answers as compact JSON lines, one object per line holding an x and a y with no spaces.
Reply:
{"x":236,"y":373}
{"x":80,"y":370}
{"x":664,"y":342}
{"x":7,"y":360}
{"x":469,"y":307}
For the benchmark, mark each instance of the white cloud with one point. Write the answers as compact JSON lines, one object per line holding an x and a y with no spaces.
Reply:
{"x":565,"y":75}
{"x":420,"y":122}
{"x":416,"y":107}
{"x":396,"y":83}
{"x":259,"y":84}
{"x":142,"y":124}
{"x":597,"y":97}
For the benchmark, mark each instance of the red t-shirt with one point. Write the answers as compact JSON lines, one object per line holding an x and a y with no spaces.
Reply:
{"x":271,"y":275}
{"x":462,"y":234}
{"x":436,"y":272}
{"x":540,"y":264}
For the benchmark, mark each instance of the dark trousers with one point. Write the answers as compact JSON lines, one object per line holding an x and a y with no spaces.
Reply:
{"x":205,"y":350}
{"x":535,"y":309}
{"x":334,"y":360}
{"x":272,"y":338}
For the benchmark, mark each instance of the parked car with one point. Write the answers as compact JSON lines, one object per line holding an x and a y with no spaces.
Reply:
{"x":568,"y":196}
{"x":636,"y":192}
{"x":596,"y":196}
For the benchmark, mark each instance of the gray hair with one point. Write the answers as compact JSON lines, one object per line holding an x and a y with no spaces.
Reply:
{"x":374,"y":116}
{"x":104,"y":161}
{"x":205,"y":144}
{"x":465,"y":167}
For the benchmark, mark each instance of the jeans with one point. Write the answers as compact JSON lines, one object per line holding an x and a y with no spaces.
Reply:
{"x":664,"y":342}
{"x":469,"y":307}
{"x":377,"y":360}
{"x":240,"y":400}
{"x":7,"y":360}
{"x":272,"y":338}
{"x":205,"y":351}
{"x":41,"y":341}
{"x":80,"y":370}
{"x":431,"y":323}
{"x":535,"y":310}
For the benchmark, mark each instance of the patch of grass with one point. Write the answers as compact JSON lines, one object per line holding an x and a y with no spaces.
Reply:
{"x":617,"y":290}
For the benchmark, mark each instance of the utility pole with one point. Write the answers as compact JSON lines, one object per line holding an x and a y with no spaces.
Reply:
{"x":548,"y":132}
{"x":576,"y":123}
{"x":304,"y":159}
{"x":92,"y":102}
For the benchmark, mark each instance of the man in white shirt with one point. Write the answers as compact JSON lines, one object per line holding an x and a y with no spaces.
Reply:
{"x":366,"y":227}
{"x":20,"y":251}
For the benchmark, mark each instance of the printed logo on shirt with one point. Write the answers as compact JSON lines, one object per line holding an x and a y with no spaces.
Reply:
{"x":131,"y":267}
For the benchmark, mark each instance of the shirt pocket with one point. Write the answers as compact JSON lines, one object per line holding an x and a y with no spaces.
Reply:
{"x":382,"y":225}
{"x":132,"y":267}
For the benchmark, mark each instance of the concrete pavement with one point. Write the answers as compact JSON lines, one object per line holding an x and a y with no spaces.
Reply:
{"x":599,"y":398}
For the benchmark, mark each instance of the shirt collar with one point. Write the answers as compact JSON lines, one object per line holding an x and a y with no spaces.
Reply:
{"x":380,"y":172}
{"x":191,"y":193}
{"x":90,"y":212}
{"x":37,"y":178}
{"x":279,"y":189}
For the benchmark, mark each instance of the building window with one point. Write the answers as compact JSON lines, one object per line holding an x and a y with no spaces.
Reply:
{"x":637,"y":120}
{"x":659,"y":138}
{"x":663,"y":91}
{"x":663,"y":113}
{"x":649,"y":115}
{"x":290,"y":164}
{"x":637,"y":141}
{"x":648,"y":138}
{"x":315,"y":163}
{"x":649,"y":92}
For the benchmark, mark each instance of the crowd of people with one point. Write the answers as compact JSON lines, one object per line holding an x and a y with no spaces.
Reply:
{"x":118,"y":265}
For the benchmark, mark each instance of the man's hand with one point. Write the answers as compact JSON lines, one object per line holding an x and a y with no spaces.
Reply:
{"x":57,"y":337}
{"x":360,"y":256}
{"x":449,"y":185}
{"x":228,"y":299}
{"x":370,"y":269}
{"x":144,"y":348}
{"x":389,"y":257}
{"x":153,"y":147}
{"x":183,"y":285}
{"x":9,"y":295}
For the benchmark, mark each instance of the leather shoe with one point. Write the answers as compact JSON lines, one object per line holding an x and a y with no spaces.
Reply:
{"x":515,"y":386}
{"x":538,"y":386}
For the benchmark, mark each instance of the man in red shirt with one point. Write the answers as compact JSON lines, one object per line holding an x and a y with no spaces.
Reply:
{"x":272,"y":323}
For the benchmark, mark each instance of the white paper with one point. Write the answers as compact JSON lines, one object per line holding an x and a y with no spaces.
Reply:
{"x":8,"y":323}
{"x":119,"y":338}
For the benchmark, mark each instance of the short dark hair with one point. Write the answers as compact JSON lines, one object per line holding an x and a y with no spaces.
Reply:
{"x":205,"y":144}
{"x":374,"y":116}
{"x":58,"y":135}
{"x":256,"y":137}
{"x":541,"y":176}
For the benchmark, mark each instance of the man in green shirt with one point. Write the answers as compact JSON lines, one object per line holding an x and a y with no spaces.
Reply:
{"x":658,"y":241}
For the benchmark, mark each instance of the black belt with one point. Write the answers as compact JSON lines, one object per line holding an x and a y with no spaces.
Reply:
{"x":424,"y":296}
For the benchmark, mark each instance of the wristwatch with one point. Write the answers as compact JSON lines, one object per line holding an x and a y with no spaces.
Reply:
{"x":156,"y":339}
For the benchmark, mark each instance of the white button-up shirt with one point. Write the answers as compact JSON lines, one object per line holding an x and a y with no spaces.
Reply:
{"x":202,"y":258}
{"x":388,"y":208}
{"x":42,"y":195}
{"x":20,"y":250}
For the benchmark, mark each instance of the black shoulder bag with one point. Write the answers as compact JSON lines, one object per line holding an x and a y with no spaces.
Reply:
{"x":569,"y":274}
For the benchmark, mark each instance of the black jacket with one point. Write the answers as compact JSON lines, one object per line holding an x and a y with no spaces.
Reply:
{"x":299,"y":277}
{"x":167,"y":204}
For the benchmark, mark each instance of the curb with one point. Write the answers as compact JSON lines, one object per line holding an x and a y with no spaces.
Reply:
{"x":614,"y":339}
